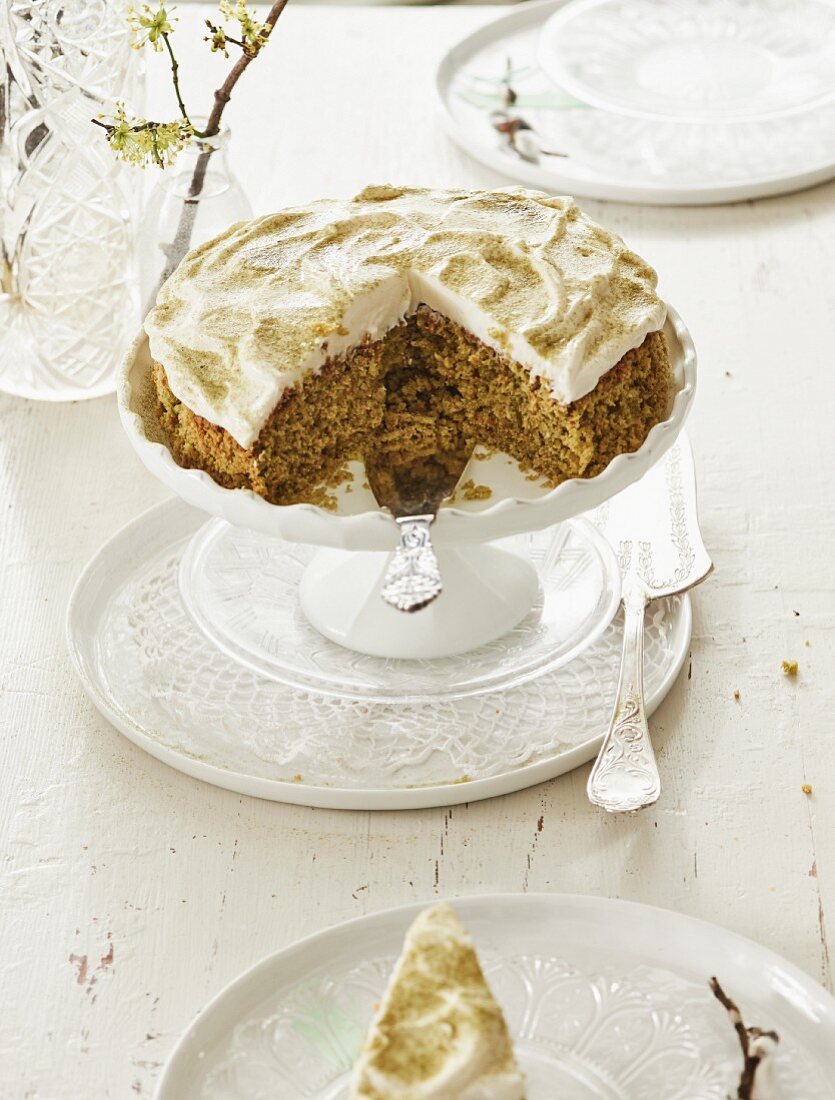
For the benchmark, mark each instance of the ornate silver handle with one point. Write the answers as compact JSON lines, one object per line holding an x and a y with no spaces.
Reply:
{"x":625,"y":776}
{"x":412,"y":579}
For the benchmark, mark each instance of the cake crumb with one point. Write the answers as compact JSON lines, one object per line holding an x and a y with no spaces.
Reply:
{"x":470,"y":491}
{"x":736,"y":695}
{"x":807,"y":643}
{"x":789,"y":668}
{"x":806,"y":788}
{"x":501,"y":337}
{"x":298,"y":778}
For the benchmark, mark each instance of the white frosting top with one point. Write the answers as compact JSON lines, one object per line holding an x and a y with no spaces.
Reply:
{"x":250,"y":313}
{"x":439,"y":1033}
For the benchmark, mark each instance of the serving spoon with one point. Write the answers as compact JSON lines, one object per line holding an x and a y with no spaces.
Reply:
{"x":413,"y":492}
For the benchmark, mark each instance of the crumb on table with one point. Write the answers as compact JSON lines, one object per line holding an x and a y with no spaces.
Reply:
{"x":806,"y":788}
{"x":789,"y":668}
{"x":736,"y":695}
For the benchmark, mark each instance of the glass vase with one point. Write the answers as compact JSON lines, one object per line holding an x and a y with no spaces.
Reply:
{"x":68,"y":300}
{"x":194,"y":200}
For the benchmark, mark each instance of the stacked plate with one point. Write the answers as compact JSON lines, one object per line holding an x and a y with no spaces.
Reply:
{"x":652,"y":101}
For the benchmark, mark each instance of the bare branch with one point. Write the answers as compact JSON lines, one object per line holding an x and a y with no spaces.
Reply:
{"x":757,"y":1045}
{"x":224,"y":92}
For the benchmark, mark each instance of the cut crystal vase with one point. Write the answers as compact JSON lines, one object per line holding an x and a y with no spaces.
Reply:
{"x":68,"y":297}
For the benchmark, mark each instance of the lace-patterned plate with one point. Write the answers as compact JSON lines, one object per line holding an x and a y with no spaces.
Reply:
{"x":606,"y":1000}
{"x":157,"y":678}
{"x":610,"y":155}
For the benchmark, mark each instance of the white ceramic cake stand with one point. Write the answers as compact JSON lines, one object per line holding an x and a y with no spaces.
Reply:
{"x":235,"y":567}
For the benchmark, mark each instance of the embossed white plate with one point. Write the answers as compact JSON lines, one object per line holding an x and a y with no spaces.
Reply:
{"x":627,"y":158}
{"x":606,"y":1000}
{"x":158,"y":679}
{"x":711,"y":61}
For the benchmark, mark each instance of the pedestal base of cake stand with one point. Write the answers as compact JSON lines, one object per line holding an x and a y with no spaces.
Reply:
{"x":314,"y":620}
{"x":487,"y":592}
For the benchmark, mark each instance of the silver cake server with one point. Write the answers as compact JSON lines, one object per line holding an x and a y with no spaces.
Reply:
{"x":653,"y":527}
{"x":413,"y":492}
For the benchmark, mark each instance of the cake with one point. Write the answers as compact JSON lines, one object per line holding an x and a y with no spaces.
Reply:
{"x":406,"y":322}
{"x":438,"y":1034}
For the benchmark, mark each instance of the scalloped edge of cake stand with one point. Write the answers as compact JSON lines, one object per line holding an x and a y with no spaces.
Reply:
{"x":466,"y":522}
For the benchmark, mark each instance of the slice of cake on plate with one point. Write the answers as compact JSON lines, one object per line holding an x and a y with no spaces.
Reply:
{"x":439,"y":1033}
{"x":408,"y":321}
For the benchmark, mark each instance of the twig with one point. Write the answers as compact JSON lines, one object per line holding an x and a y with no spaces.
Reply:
{"x":175,"y":68}
{"x":756,"y":1044}
{"x":177,"y":249}
{"x":519,"y":135}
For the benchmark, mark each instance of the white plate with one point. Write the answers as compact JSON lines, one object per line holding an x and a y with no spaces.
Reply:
{"x":612,"y":155}
{"x":517,"y":504}
{"x":157,"y":678}
{"x":711,"y":61}
{"x":606,"y":1000}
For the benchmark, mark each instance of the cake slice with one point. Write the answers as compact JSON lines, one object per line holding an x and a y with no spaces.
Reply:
{"x":439,"y":1033}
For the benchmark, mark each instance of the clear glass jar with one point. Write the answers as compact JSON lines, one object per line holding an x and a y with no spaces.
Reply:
{"x":192,"y":201}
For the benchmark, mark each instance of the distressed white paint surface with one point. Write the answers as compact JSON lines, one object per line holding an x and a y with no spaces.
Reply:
{"x":131,"y":894}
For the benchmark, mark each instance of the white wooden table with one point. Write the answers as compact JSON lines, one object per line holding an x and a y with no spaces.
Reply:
{"x":131,"y":894}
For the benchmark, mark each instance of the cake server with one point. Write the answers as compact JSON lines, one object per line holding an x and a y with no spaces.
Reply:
{"x":653,"y":527}
{"x":413,"y":493}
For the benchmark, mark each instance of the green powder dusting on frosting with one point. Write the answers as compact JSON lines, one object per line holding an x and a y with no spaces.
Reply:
{"x":245,"y":316}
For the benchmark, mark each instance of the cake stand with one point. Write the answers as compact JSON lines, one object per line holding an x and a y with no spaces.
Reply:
{"x":235,"y":585}
{"x":254,"y":649}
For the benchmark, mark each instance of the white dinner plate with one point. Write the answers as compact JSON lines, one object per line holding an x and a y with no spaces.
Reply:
{"x":606,"y":1000}
{"x":625,"y":157}
{"x":152,"y":673}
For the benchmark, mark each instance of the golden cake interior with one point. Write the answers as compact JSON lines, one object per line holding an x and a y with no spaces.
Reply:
{"x":426,"y":387}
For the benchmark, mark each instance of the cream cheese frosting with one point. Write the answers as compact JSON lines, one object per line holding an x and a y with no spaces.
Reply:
{"x":439,"y":1034}
{"x":252,"y":312}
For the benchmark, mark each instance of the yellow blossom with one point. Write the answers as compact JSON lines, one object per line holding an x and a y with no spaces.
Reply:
{"x":138,"y":141}
{"x":149,"y":25}
{"x":253,"y":34}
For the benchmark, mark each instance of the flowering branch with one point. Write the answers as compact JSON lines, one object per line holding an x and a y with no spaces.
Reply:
{"x":142,"y":141}
{"x":253,"y":34}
